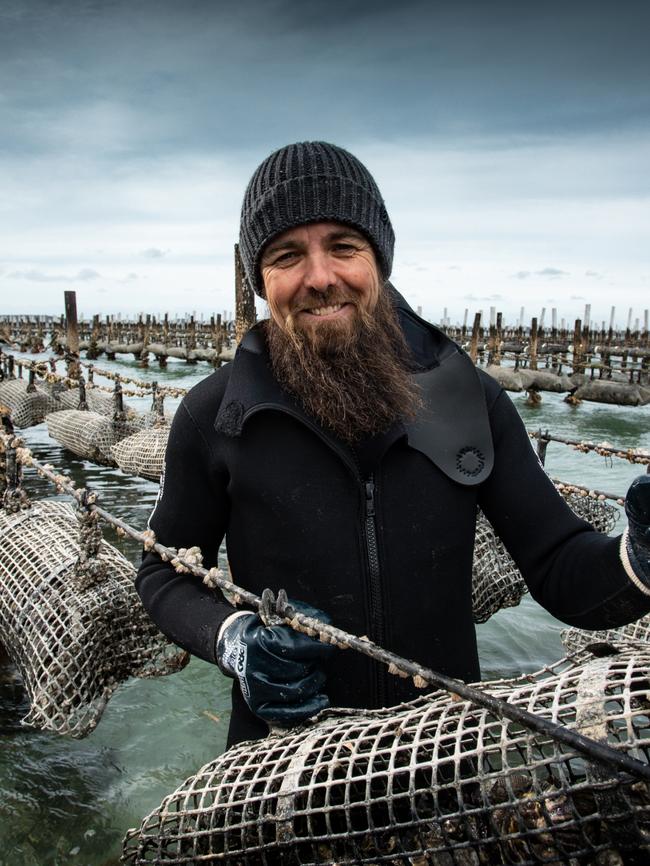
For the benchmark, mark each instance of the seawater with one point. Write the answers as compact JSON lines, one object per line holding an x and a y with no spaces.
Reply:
{"x":64,"y":801}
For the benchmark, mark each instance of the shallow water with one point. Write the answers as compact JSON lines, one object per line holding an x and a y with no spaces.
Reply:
{"x":70,"y":802}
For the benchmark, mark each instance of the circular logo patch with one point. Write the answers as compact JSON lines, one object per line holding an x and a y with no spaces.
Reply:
{"x":470,"y":461}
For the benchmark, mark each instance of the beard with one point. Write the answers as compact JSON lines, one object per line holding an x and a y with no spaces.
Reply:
{"x":352,"y":375}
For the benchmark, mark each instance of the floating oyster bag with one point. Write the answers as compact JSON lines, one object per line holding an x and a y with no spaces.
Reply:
{"x":96,"y":400}
{"x":73,"y":625}
{"x":29,"y":403}
{"x":143,"y":453}
{"x":636,"y":635}
{"x":435,"y":781}
{"x":89,"y":434}
{"x":496,"y":580}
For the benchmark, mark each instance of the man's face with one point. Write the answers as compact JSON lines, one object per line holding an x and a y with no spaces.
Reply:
{"x":319,"y":277}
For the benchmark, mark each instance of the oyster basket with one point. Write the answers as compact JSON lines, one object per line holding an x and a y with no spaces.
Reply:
{"x":143,"y":453}
{"x":88,"y":434}
{"x":496,"y":580}
{"x":29,"y":403}
{"x":434,"y":781}
{"x":74,"y":639}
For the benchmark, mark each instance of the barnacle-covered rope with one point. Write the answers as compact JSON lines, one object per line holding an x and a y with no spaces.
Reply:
{"x":605,"y":449}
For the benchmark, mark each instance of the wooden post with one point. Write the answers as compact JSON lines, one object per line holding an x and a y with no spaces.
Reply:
{"x":245,"y":316}
{"x":72,"y":335}
{"x":532,"y":352}
{"x":473,"y":346}
{"x":497,"y":340}
{"x":492,"y":336}
{"x":578,"y":366}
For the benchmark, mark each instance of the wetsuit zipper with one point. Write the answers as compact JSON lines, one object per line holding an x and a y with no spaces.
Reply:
{"x":376,"y":600}
{"x":377,"y":630}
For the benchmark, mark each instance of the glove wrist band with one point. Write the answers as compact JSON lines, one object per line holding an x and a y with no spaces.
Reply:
{"x":639,"y":576}
{"x":221,"y":649}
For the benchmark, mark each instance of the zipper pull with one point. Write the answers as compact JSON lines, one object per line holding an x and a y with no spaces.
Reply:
{"x":370,"y":498}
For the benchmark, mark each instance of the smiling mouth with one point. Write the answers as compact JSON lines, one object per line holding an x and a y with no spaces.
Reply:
{"x":325,"y":311}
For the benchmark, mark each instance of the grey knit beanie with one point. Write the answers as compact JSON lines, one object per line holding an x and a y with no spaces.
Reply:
{"x":308,"y":182}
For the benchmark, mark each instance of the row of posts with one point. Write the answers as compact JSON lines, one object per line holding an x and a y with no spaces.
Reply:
{"x":245,"y":317}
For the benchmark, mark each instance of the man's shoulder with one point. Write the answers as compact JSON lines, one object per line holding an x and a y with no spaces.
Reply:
{"x":203,"y":400}
{"x":491,"y":388}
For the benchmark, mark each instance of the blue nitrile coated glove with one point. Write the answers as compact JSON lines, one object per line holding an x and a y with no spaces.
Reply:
{"x":637,"y":509}
{"x":280,"y":671}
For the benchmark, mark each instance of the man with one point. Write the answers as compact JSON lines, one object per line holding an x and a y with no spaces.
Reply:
{"x":343,"y":454}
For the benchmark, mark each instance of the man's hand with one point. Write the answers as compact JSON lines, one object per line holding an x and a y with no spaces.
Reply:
{"x":637,"y":509}
{"x":280,"y":671}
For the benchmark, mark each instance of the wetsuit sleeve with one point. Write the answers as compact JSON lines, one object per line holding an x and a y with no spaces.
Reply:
{"x":573,"y":571}
{"x":191,"y":510}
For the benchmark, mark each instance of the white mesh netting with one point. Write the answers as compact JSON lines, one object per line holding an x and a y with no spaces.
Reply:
{"x":143,"y":453}
{"x":68,"y":398}
{"x":28,"y":407}
{"x":72,"y":645}
{"x":434,"y":781}
{"x":496,"y":580}
{"x":89,"y":434}
{"x":636,"y":635}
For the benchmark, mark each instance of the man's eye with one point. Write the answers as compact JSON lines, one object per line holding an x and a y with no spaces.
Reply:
{"x":344,"y":248}
{"x":285,"y":258}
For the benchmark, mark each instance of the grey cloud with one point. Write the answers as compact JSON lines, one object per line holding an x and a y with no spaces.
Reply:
{"x":552,"y":272}
{"x":471,"y":297}
{"x":154,"y":253}
{"x":576,"y":297}
{"x":35,"y":276}
{"x":521,"y":275}
{"x":594,"y":274}
{"x":455,"y":268}
{"x":201,"y":79}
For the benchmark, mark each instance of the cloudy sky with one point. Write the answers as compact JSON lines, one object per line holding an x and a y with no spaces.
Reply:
{"x":510,"y":140}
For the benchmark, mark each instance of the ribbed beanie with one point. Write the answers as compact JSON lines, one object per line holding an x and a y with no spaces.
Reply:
{"x":307,"y":182}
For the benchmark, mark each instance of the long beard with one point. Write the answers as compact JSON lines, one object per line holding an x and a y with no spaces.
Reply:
{"x":353,"y":377}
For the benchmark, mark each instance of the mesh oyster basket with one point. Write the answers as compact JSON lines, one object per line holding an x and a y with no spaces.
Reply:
{"x":29,"y":403}
{"x":434,"y":781}
{"x":143,"y":453}
{"x":97,"y":401}
{"x":636,"y":635}
{"x":496,"y":580}
{"x":89,"y":434}
{"x":73,"y":643}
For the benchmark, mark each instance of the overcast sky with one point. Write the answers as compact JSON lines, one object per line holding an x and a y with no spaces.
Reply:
{"x":510,"y":141}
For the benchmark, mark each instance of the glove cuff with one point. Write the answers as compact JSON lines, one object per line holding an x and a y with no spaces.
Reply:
{"x":633,"y":565}
{"x":227,"y":643}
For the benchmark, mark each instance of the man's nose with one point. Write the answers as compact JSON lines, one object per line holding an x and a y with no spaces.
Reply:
{"x":319,"y":273}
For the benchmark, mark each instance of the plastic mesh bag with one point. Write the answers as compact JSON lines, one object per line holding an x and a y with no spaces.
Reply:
{"x":97,"y":400}
{"x":143,"y":453}
{"x":496,"y":580}
{"x":74,"y":627}
{"x":29,"y":404}
{"x":89,"y":434}
{"x":636,"y":635}
{"x":434,"y":781}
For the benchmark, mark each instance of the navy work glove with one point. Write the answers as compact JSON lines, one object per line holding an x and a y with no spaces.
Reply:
{"x":637,"y":509}
{"x":280,"y":671}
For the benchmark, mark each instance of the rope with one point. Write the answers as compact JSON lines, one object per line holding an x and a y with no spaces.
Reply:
{"x":40,"y":369}
{"x":189,"y":560}
{"x":605,"y":449}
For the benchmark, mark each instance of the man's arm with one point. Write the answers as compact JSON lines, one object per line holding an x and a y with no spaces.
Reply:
{"x":577,"y":574}
{"x":192,"y":510}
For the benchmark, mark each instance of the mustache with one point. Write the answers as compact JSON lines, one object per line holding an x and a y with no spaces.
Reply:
{"x":329,"y":298}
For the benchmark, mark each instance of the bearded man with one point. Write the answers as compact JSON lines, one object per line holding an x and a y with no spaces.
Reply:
{"x":343,"y":454}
